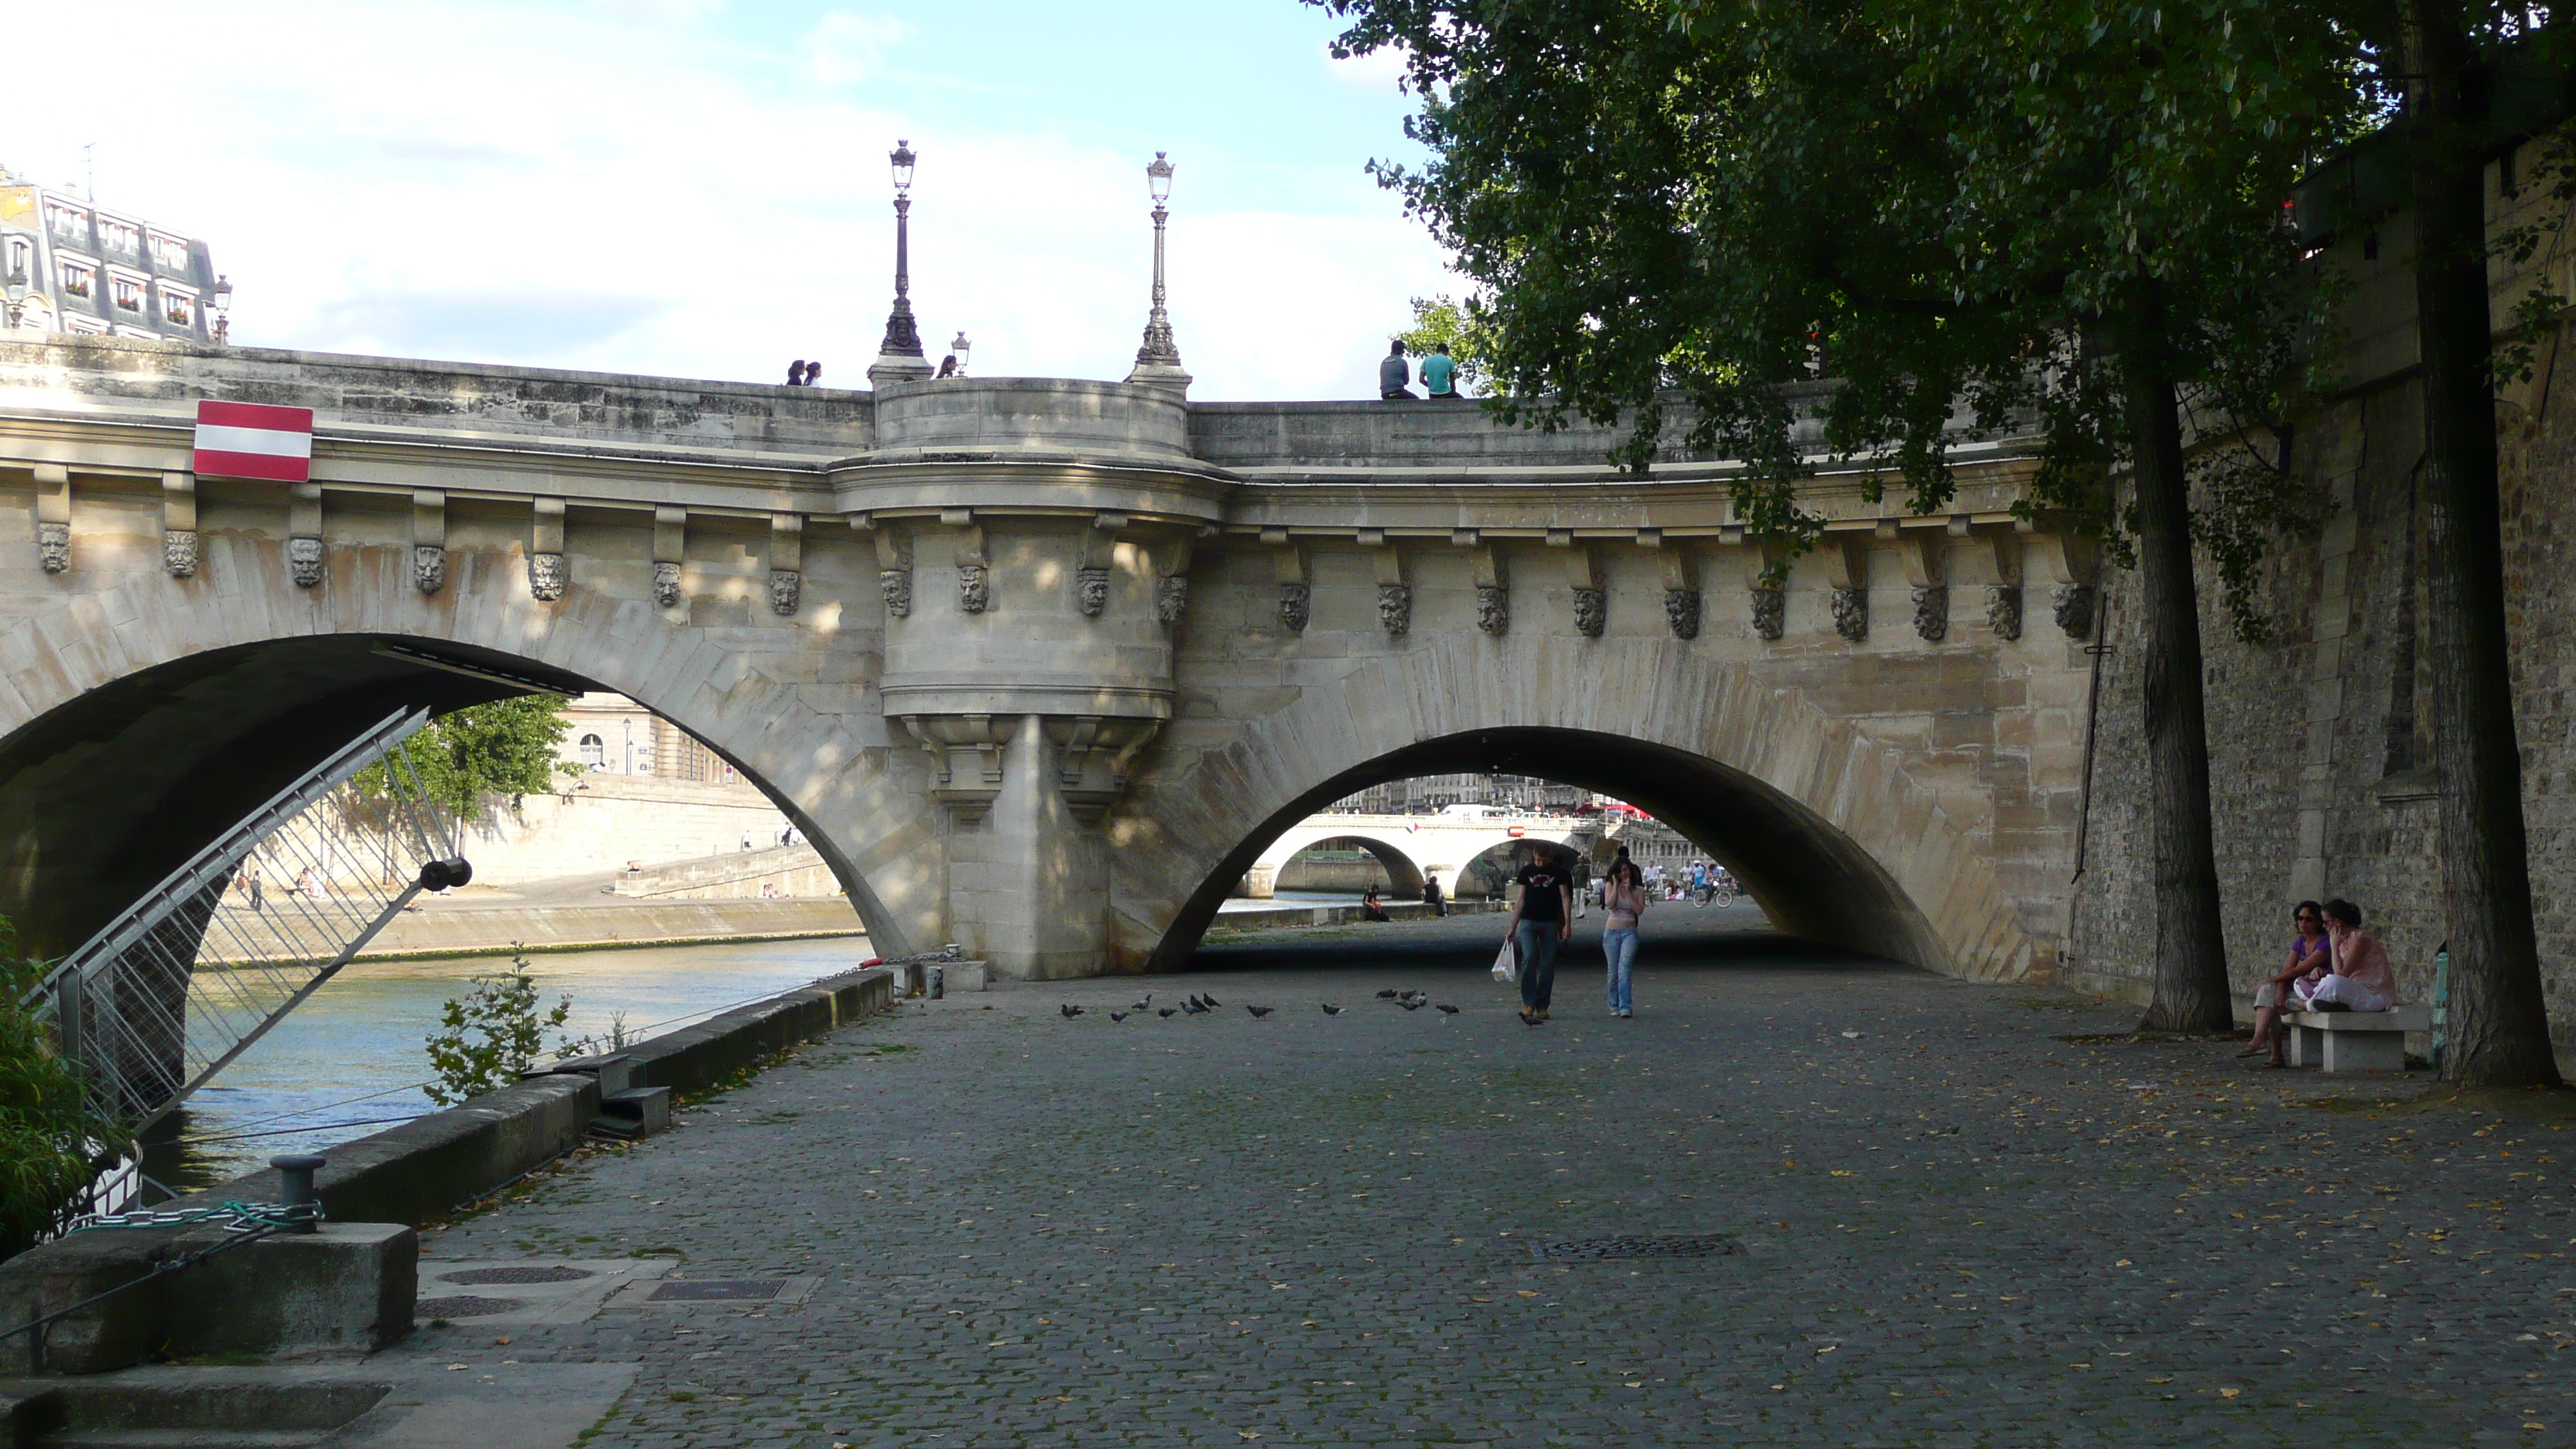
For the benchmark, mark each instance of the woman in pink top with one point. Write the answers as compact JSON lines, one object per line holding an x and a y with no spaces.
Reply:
{"x":1624,"y":897}
{"x":2363,"y":978}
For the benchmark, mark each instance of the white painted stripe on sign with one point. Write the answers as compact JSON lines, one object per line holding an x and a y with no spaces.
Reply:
{"x":275,"y":444}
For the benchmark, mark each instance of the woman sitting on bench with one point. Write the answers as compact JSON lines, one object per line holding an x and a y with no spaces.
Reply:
{"x":2309,"y":953}
{"x":2363,"y":979}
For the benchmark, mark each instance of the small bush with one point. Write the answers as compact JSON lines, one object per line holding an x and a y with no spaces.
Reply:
{"x":490,"y":1035}
{"x":50,"y":1144}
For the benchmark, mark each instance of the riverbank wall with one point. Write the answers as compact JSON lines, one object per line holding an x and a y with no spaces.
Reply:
{"x":441,"y":929}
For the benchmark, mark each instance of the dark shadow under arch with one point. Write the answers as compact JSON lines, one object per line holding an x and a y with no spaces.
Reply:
{"x":104,"y":796}
{"x":1812,"y":880}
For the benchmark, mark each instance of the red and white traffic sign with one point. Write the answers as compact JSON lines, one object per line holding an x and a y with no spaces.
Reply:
{"x":254,"y":440}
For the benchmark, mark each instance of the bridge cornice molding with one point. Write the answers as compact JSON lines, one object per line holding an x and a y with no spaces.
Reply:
{"x":924,"y":486}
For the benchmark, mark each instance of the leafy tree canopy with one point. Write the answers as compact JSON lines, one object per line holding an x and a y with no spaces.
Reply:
{"x":1461,"y":327}
{"x":503,"y":748}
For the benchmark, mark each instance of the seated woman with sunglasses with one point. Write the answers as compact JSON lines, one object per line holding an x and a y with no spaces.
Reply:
{"x":2311,"y":958}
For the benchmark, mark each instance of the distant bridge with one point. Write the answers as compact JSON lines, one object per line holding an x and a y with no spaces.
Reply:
{"x":1413,"y":846}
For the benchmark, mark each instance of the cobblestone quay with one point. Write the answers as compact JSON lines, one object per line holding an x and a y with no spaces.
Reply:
{"x":1959,"y":1222}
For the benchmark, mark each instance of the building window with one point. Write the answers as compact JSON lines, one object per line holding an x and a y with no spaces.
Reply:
{"x":169,"y":253}
{"x":178,"y":308}
{"x":120,"y":236}
{"x":594,"y":752}
{"x":80,"y":279}
{"x":21,"y":265}
{"x":86,"y":326}
{"x":68,"y":222}
{"x":126,"y":290}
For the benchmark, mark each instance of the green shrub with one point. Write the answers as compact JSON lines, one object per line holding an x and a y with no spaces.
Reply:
{"x":490,"y":1035}
{"x":50,"y":1143}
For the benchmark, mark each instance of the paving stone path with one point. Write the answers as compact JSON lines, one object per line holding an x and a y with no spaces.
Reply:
{"x":1957,"y":1223}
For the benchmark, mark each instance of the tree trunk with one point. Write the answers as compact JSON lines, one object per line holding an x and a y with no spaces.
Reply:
{"x":2191,"y":991}
{"x":2499,"y":1023}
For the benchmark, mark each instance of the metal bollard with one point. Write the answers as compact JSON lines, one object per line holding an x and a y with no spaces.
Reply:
{"x":938,"y":988}
{"x":295,"y":1186}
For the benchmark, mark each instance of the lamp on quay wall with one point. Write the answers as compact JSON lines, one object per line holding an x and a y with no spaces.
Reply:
{"x":899,"y":356}
{"x":1158,"y":362}
{"x":17,"y":295}
{"x":223,"y":311}
{"x":960,"y":347}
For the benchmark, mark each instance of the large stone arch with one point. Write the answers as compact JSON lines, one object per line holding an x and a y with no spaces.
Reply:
{"x":1404,"y":866}
{"x":141,"y":713}
{"x":1824,"y":824}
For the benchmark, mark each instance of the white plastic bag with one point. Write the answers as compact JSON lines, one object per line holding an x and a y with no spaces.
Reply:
{"x":1507,"y":961}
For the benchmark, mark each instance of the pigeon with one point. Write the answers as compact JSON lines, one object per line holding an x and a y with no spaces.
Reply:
{"x":1167,"y":1012}
{"x":1193,"y":1008}
{"x":1447,"y":1010}
{"x":1117,"y":1016}
{"x":1144,"y":1004}
{"x":1410,"y":1004}
{"x":1259,"y":1012}
{"x":1210,"y":1000}
{"x":1330,"y":1009}
{"x":1070,"y":1011}
{"x":1387,"y":995}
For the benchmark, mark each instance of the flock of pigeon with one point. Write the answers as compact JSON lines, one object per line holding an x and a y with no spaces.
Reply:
{"x":1197,"y":1005}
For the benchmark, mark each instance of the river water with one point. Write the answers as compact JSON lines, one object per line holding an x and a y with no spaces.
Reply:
{"x":352,"y":1057}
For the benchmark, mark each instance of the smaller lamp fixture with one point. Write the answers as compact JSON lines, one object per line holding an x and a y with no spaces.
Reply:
{"x":960,"y":346}
{"x":1158,"y":178}
{"x":223,"y":309}
{"x":902,"y":159}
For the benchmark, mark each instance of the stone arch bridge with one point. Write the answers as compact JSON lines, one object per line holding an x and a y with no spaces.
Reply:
{"x":1413,"y":846}
{"x":1042,"y":667}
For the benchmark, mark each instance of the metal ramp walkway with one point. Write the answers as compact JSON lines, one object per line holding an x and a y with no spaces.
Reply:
{"x":189,"y":976}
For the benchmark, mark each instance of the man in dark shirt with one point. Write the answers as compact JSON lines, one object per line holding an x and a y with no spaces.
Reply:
{"x":1541,"y":920}
{"x":1431,"y":894}
{"x":1393,"y":373}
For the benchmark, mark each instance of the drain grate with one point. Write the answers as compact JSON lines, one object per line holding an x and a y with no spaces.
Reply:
{"x":463,"y":1305}
{"x":478,"y":1276}
{"x":746,"y":1290}
{"x":1591,"y":1250}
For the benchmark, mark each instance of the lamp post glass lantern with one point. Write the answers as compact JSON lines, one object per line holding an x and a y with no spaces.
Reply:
{"x":1159,"y":360}
{"x":959,"y":348}
{"x":899,"y":356}
{"x":223,"y":309}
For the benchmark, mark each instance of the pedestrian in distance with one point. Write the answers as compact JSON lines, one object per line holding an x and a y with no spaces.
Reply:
{"x":1440,"y":373}
{"x":1541,"y":920}
{"x":1623,"y":896}
{"x":1370,"y":910}
{"x":796,"y":373}
{"x":1431,"y":894}
{"x":1394,"y":374}
{"x":948,"y":365}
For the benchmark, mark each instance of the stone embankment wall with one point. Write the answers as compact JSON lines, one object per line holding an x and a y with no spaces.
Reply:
{"x":2321,"y":740}
{"x":1335,"y":871}
{"x":788,"y":870}
{"x":486,"y":929}
{"x":595,"y":824}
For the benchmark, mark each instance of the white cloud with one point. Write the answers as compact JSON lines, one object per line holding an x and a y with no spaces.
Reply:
{"x":503,"y":183}
{"x":845,"y":49}
{"x":679,"y":12}
{"x":1382,"y":69}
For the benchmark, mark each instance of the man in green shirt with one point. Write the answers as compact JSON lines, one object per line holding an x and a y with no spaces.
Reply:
{"x":1440,"y":372}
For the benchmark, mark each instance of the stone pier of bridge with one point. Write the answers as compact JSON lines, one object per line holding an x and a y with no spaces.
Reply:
{"x":1043,"y":667}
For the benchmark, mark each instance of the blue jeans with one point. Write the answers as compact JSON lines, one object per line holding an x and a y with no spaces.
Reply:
{"x":1620,"y":947}
{"x":1538,"y":942}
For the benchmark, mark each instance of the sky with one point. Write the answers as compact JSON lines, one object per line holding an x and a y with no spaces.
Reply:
{"x":698,"y":188}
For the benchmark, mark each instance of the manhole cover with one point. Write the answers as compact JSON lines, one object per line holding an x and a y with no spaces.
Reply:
{"x":1594,"y":1249}
{"x":516,"y":1275}
{"x":699,"y":1289}
{"x":462,"y":1305}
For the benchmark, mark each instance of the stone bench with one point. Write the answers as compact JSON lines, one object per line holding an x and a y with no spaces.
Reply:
{"x":2354,"y":1041}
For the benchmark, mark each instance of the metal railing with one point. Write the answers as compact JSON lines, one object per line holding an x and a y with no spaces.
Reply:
{"x":201,"y":966}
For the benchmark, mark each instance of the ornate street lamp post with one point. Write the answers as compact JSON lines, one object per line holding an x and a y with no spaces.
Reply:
{"x":223,"y":311}
{"x":899,"y":356}
{"x":959,"y":348}
{"x":1158,"y":362}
